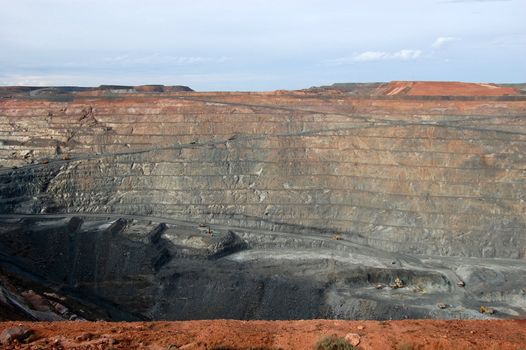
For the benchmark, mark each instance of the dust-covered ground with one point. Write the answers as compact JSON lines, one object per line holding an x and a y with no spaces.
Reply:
{"x":228,"y":334}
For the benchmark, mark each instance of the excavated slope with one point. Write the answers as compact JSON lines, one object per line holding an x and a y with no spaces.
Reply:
{"x":377,"y":178}
{"x":419,"y":176}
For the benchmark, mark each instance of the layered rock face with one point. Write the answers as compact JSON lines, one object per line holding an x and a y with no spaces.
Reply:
{"x":430,"y":176}
{"x":420,"y":173}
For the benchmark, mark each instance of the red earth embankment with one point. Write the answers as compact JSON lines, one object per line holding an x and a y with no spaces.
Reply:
{"x":229,"y":334}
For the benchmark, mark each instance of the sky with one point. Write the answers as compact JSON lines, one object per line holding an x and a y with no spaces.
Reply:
{"x":260,"y":44}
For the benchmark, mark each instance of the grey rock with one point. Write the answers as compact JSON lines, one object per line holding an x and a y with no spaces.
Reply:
{"x":9,"y":335}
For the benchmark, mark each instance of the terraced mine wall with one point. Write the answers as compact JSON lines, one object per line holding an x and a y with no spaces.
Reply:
{"x":290,"y":205}
{"x":428,"y":177}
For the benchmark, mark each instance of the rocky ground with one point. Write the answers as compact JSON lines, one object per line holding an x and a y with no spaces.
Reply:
{"x":227,"y":334}
{"x":60,"y":267}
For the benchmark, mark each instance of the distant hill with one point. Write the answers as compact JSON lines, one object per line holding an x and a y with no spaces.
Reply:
{"x":426,"y":88}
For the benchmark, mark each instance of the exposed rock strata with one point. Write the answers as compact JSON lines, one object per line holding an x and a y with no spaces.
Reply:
{"x":427,"y":177}
{"x":434,"y":175}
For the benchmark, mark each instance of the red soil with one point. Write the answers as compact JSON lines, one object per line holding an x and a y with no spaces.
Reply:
{"x":226,"y":334}
{"x":435,"y":88}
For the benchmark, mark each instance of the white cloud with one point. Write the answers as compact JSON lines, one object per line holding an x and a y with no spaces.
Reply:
{"x":443,"y":41}
{"x":41,"y":80}
{"x":370,"y":56}
{"x":202,"y":82}
{"x":158,"y":59}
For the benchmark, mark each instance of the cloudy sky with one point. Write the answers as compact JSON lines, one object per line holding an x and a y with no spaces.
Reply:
{"x":260,"y":44}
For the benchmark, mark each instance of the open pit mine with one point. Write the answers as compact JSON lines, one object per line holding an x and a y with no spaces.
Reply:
{"x":352,"y":201}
